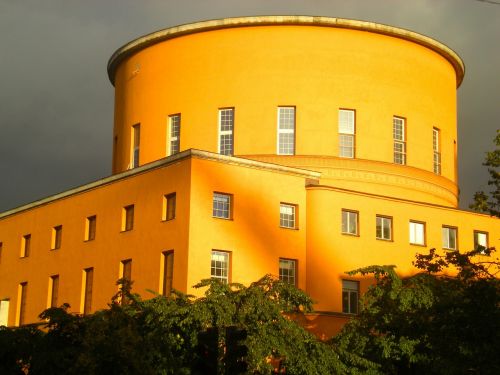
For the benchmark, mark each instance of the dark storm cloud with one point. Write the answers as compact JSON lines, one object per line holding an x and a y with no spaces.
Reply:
{"x":56,"y":103}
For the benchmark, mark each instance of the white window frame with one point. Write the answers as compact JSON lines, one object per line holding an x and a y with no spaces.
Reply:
{"x":350,"y":288}
{"x":436,"y":135}
{"x":346,"y":222}
{"x":221,"y":209}
{"x":449,"y":242}
{"x":385,"y":222}
{"x":220,"y":261}
{"x":347,"y":131}
{"x":285,"y":130}
{"x":171,"y":138}
{"x":399,"y":137}
{"x":225,"y":133}
{"x":417,"y":233}
{"x":288,"y":270}
{"x":481,"y":240}
{"x":288,"y":215}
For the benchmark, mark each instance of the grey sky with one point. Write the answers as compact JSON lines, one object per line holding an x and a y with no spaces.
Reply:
{"x":56,"y":102}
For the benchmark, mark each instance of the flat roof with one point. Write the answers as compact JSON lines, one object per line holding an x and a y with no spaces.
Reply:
{"x":199,"y":154}
{"x":225,"y":23}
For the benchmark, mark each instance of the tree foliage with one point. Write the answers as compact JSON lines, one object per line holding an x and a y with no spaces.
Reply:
{"x":160,"y":335}
{"x":482,"y":201}
{"x":429,"y":323}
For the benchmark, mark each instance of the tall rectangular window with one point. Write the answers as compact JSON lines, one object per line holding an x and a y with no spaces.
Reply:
{"x":221,"y":206}
{"x":87,"y":291}
{"x":128,"y":218}
{"x":437,"y":150}
{"x":399,"y":135}
{"x":125,"y":274}
{"x":288,"y":271}
{"x":226,"y":128}
{"x":449,"y":235}
{"x":25,"y":246}
{"x":169,"y":203}
{"x":384,"y":228}
{"x":480,"y":240}
{"x":288,"y":215}
{"x":1,"y":250}
{"x":350,"y":222}
{"x":136,"y":137}
{"x":90,"y":228}
{"x":168,"y":272}
{"x":174,"y":134}
{"x":4,"y":312}
{"x":350,"y":296}
{"x":219,"y":268}
{"x":286,"y":130}
{"x":347,"y":131}
{"x":23,"y":296}
{"x":126,"y":269}
{"x":417,"y":233}
{"x":56,"y":237}
{"x":53,"y":290}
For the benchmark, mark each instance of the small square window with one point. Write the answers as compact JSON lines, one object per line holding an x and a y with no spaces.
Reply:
{"x":219,"y":268}
{"x":288,"y":271}
{"x":350,"y":222}
{"x":128,"y":218}
{"x":90,"y":228}
{"x":25,"y":246}
{"x":56,"y":237}
{"x":480,"y":240}
{"x":288,"y":215}
{"x":350,"y":296}
{"x":417,"y":233}
{"x":169,"y":203}
{"x":384,"y":228}
{"x":221,"y":207}
{"x":449,"y":238}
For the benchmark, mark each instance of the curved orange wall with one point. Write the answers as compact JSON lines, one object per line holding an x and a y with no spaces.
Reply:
{"x":316,"y":69}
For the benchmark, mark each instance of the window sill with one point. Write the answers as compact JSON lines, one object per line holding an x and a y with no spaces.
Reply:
{"x":350,"y":234}
{"x":90,"y":240}
{"x":223,"y":218}
{"x":418,"y":244}
{"x":167,"y":220}
{"x":126,"y":230}
{"x":384,"y":239}
{"x":291,"y":228}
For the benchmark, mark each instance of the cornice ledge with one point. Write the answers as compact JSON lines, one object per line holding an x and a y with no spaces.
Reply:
{"x":158,"y":36}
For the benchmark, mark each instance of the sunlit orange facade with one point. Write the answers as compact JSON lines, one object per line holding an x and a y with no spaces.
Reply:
{"x":296,"y":146}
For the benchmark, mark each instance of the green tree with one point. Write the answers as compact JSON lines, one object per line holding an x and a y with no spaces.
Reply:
{"x":429,"y":323}
{"x":161,"y":335}
{"x":482,"y":201}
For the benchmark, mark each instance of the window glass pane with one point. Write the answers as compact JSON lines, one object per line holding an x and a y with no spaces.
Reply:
{"x":221,"y":205}
{"x":220,"y":265}
{"x":346,"y":121}
{"x":287,"y":215}
{"x":287,"y":269}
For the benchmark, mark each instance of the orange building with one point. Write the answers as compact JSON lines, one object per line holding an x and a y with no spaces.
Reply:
{"x":298,"y":146}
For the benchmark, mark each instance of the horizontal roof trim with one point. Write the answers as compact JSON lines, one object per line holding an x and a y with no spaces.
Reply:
{"x":225,"y":23}
{"x":191,"y":153}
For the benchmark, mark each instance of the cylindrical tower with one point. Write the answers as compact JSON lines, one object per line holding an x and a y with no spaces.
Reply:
{"x":370,"y":106}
